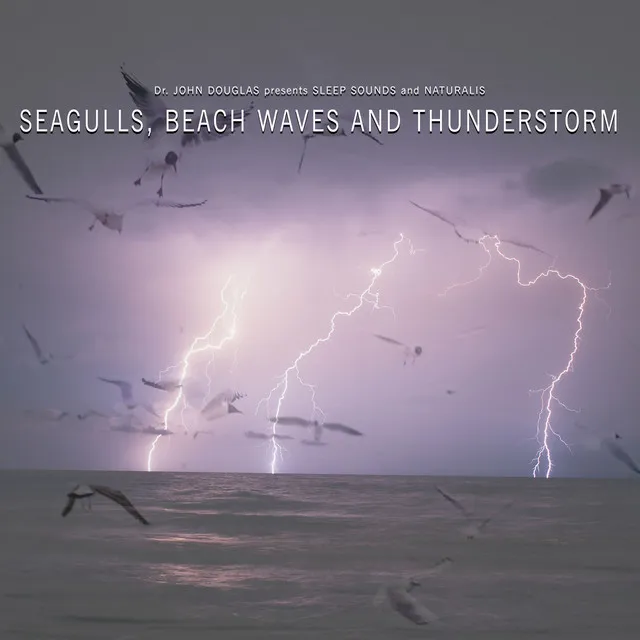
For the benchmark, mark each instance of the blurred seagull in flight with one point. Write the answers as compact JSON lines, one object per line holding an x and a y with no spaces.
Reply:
{"x":154,"y":110}
{"x":222,"y":404}
{"x":474,"y":529}
{"x":258,"y":435}
{"x":163,"y":385}
{"x":409,"y":353}
{"x":156,"y":431}
{"x":84,"y":492}
{"x":113,"y":219}
{"x":126,"y":391}
{"x":318,"y":428}
{"x":341,"y":131}
{"x":8,"y":143}
{"x":43,"y":358}
{"x":402,"y":602}
{"x":606,"y":195}
{"x":609,"y":443}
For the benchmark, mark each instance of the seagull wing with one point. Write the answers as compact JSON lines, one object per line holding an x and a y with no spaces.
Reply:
{"x":19,"y":163}
{"x":119,"y":498}
{"x":155,"y":385}
{"x":305,"y":141}
{"x":163,"y":203}
{"x":371,"y":137}
{"x":84,"y":204}
{"x":620,"y":454}
{"x":71,"y":500}
{"x":524,"y":245}
{"x":34,"y":343}
{"x":153,"y":108}
{"x":483,"y":523}
{"x":228,"y":395}
{"x":291,"y":421}
{"x":342,"y":428}
{"x":126,"y":389}
{"x":434,"y":213}
{"x":407,"y":606}
{"x":390,"y":341}
{"x":605,"y":196}
{"x":454,"y":502}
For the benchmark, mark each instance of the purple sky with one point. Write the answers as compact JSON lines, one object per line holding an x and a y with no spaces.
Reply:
{"x":119,"y":301}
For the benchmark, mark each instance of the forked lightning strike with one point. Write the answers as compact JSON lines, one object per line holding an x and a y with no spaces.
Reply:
{"x":544,"y":428}
{"x":367,"y":296}
{"x":200,"y":344}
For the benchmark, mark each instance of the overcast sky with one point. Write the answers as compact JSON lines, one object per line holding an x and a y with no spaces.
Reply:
{"x":129,"y":305}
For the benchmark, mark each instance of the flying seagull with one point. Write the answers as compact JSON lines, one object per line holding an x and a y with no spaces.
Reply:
{"x":612,"y":445}
{"x":113,"y":219}
{"x":86,"y":492}
{"x":454,"y":226}
{"x":474,"y":529}
{"x":341,"y":131}
{"x":318,"y":427}
{"x":606,"y":195}
{"x":126,"y":391}
{"x":8,"y":143}
{"x":162,"y":385}
{"x":258,"y":435}
{"x":124,"y":427}
{"x":43,"y":358}
{"x":400,"y":598}
{"x":409,"y":353}
{"x":222,"y":404}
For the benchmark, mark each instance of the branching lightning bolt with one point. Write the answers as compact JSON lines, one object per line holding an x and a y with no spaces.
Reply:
{"x":367,"y":296}
{"x":544,"y":427}
{"x":199,"y":345}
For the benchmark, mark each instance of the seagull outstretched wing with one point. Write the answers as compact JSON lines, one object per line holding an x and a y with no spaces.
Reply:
{"x":126,"y":390}
{"x":119,"y":498}
{"x":342,"y":428}
{"x":605,"y":196}
{"x":454,"y":502}
{"x":23,"y":169}
{"x":291,"y":421}
{"x":153,"y":108}
{"x":34,"y":344}
{"x":390,"y":341}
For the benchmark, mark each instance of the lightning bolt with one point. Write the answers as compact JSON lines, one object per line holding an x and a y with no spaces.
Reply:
{"x":367,"y":296}
{"x":201,"y":344}
{"x":544,"y":427}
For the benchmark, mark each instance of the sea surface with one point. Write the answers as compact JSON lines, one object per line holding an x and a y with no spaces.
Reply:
{"x":303,"y":557}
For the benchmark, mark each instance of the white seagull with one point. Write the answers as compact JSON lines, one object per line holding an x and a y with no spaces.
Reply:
{"x":113,"y":219}
{"x":318,"y":428}
{"x":8,"y":143}
{"x":43,"y":358}
{"x":474,"y":529}
{"x":606,"y":195}
{"x":84,"y":492}
{"x":400,"y":598}
{"x":258,"y":435}
{"x":409,"y":353}
{"x":222,"y":404}
{"x":154,"y":110}
{"x":325,"y":133}
{"x":126,"y":391}
{"x":163,"y":385}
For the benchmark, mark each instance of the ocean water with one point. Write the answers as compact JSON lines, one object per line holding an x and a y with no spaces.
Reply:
{"x":302,"y":557}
